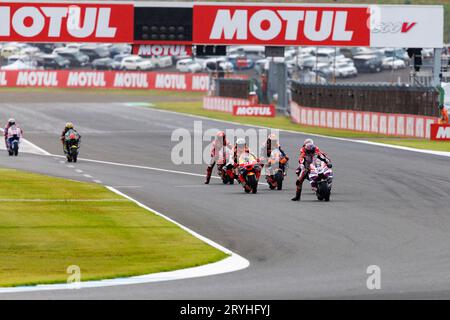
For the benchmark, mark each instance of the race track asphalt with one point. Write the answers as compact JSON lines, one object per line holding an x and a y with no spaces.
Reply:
{"x":389,"y":208}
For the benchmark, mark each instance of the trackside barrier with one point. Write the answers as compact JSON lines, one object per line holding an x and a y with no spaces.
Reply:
{"x":390,"y":124}
{"x":223,"y":104}
{"x":105,"y":79}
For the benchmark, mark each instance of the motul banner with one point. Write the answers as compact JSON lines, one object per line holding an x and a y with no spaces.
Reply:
{"x":105,"y":79}
{"x":440,"y":132}
{"x":224,"y":24}
{"x":147,"y":50}
{"x":324,"y":25}
{"x":66,"y":22}
{"x":259,"y":110}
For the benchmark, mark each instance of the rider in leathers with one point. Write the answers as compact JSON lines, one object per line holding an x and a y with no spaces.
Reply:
{"x":219,"y":142}
{"x":307,"y":154}
{"x":266,"y":150}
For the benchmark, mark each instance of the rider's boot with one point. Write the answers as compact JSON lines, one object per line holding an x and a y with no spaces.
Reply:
{"x":208,"y":174}
{"x":298,"y":192}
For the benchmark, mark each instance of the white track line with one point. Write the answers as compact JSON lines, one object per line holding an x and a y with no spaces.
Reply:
{"x":146,"y":168}
{"x":230,"y":264}
{"x":141,"y":167}
{"x":379,"y":144}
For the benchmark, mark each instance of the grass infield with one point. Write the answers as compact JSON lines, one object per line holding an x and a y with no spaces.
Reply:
{"x":48,"y":224}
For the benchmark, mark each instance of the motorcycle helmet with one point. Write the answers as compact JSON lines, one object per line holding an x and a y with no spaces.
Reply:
{"x":11,"y":121}
{"x":240,"y":143}
{"x":310,"y":148}
{"x":272,"y":140}
{"x":69,"y":125}
{"x":309,"y":140}
{"x":221,"y":137}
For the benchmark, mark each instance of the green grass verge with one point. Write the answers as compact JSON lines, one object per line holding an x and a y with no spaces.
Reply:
{"x":281,"y":122}
{"x":107,"y":236}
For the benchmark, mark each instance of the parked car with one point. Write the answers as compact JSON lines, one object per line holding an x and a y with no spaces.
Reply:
{"x":393,"y":63}
{"x":305,"y":60}
{"x":241,"y":62}
{"x":19,"y":65}
{"x":116,"y":49}
{"x":48,"y":48}
{"x":103,"y":64}
{"x":343,"y":69}
{"x":94,"y":52}
{"x":9,"y":51}
{"x":327,"y":55}
{"x":350,"y":52}
{"x":398,"y":53}
{"x":136,"y":63}
{"x":76,"y":58}
{"x":117,"y":60}
{"x":188,"y":65}
{"x":253,"y":52}
{"x":368,"y":63}
{"x":161,"y":61}
{"x":53,"y":61}
{"x":323,"y":69}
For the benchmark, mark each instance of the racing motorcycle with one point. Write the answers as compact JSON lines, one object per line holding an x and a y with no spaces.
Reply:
{"x":321,"y":179}
{"x":250,"y":170}
{"x":225,"y":166}
{"x":72,"y":150}
{"x":13,"y":145}
{"x":277,"y":165}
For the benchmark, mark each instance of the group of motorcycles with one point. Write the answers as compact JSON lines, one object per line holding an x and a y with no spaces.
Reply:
{"x":320,"y":176}
{"x":71,"y":145}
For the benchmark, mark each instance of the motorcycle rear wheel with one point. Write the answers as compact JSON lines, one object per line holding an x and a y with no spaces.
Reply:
{"x":279,"y":180}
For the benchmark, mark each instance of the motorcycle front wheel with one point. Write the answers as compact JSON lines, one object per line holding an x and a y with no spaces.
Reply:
{"x":251,"y":180}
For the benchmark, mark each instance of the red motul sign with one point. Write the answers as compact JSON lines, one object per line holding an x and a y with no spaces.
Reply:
{"x":440,"y":132}
{"x":281,"y":25}
{"x":66,"y":22}
{"x":259,"y":110}
{"x":105,"y":79}
{"x":162,"y":50}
